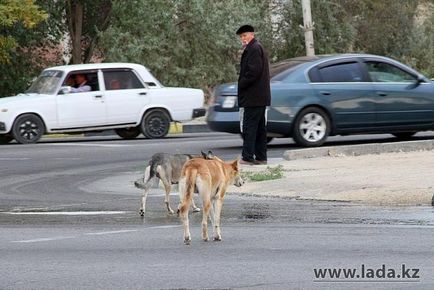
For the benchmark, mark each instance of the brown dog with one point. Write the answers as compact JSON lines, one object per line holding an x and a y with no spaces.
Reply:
{"x":211,"y":178}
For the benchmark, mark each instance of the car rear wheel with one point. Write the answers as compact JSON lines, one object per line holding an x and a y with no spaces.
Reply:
{"x":28,"y":128}
{"x":128,"y":133}
{"x":404,"y":135}
{"x":5,"y":139}
{"x":311,"y":127}
{"x":155,"y":124}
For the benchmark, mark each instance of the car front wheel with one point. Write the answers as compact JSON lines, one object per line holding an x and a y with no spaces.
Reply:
{"x":311,"y":127}
{"x":155,"y":124}
{"x":128,"y":133}
{"x":28,"y":128}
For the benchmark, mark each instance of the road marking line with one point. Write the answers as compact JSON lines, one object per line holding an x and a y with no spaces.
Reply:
{"x":14,"y":158}
{"x":110,"y":232}
{"x":163,"y":227}
{"x":44,"y":239}
{"x":89,"y":144}
{"x":71,"y":213}
{"x":93,"y":234}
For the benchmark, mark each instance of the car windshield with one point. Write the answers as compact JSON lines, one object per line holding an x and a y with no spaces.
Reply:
{"x":46,"y":83}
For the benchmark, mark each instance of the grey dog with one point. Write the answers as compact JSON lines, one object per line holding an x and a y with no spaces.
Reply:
{"x":167,"y":168}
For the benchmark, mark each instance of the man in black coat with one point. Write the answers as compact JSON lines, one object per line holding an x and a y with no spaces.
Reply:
{"x":253,"y":97}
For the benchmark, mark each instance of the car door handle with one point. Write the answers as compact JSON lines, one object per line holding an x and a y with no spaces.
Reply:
{"x":325,"y":93}
{"x":143,"y":93}
{"x":382,"y":94}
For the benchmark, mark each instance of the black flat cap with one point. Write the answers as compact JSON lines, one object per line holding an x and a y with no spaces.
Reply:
{"x":245,"y":28}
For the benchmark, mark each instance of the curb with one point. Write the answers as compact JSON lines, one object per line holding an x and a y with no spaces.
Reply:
{"x":357,"y":150}
{"x":175,"y":128}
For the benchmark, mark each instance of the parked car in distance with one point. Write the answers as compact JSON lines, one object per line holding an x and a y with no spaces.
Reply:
{"x":125,"y":97}
{"x":316,"y":97}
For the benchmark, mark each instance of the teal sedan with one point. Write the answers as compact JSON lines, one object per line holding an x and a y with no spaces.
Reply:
{"x":316,"y":97}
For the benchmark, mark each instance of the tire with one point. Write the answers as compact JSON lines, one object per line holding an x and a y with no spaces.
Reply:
{"x":311,"y":127}
{"x":155,"y":124}
{"x":128,"y":133}
{"x":404,"y":135}
{"x":5,"y":139}
{"x":28,"y":128}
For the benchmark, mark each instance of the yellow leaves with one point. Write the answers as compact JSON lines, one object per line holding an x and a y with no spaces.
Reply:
{"x":13,"y":12}
{"x":7,"y":44}
{"x":24,"y":11}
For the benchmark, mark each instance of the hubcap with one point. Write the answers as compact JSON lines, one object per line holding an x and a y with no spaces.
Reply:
{"x":29,"y":130}
{"x":157,"y":126}
{"x":313,"y":127}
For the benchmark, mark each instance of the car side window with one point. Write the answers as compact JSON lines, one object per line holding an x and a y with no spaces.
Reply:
{"x":81,"y":78}
{"x":343,"y":72}
{"x":384,"y":72}
{"x":121,"y":80}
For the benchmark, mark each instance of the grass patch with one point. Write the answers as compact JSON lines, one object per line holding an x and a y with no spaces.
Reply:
{"x":268,"y":174}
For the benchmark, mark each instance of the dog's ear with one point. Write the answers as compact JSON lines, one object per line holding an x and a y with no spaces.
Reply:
{"x":236,"y":163}
{"x":208,"y":155}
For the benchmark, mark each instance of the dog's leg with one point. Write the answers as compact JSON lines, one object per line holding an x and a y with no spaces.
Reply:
{"x":146,"y":185}
{"x":194,"y":207}
{"x":168,"y":189}
{"x":165,"y":179}
{"x":186,"y":192}
{"x":212,"y":213}
{"x":185,"y":225}
{"x":206,"y":210}
{"x":217,"y":232}
{"x":218,"y":209}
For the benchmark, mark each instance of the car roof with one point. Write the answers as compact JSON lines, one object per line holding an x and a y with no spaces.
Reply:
{"x":90,"y":66}
{"x":280,"y":66}
{"x":145,"y":74}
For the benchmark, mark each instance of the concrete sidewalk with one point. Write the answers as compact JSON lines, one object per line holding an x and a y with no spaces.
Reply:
{"x":400,"y":178}
{"x":396,"y":173}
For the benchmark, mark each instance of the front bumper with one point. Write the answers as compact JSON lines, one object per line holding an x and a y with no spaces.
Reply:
{"x":2,"y":127}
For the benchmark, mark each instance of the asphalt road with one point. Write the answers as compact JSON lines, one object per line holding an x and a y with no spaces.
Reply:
{"x":61,"y":229}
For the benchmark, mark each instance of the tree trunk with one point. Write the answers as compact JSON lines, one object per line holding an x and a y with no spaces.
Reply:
{"x":76,"y":12}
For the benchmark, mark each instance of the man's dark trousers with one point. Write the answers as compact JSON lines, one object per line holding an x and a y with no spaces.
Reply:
{"x":254,"y":134}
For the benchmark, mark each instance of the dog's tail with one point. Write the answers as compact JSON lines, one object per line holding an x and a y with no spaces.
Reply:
{"x":143,"y":183}
{"x":186,"y":189}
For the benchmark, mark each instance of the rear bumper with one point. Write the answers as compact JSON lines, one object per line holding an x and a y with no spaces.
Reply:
{"x":228,"y":127}
{"x":198,"y":112}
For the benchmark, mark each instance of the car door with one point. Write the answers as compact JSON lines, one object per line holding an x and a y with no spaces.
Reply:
{"x":125,"y":95}
{"x":400,"y":99}
{"x":342,"y":86}
{"x":82,"y":109}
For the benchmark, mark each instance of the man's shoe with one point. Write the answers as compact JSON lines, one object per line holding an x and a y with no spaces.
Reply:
{"x":244,"y":162}
{"x":261,"y":162}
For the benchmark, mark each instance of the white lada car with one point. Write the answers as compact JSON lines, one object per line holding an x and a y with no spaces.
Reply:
{"x":121,"y":96}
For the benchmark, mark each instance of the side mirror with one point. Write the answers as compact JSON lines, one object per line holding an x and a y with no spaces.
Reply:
{"x":420,"y":79}
{"x":65,"y":90}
